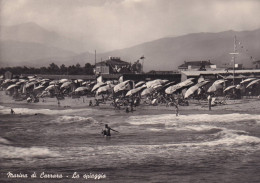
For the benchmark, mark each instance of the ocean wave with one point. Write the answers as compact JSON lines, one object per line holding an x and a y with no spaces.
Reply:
{"x":6,"y":110}
{"x":11,"y":152}
{"x":172,"y":119}
{"x":74,"y":119}
{"x":4,"y":141}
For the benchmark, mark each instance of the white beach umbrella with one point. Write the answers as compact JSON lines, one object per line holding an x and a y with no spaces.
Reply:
{"x":214,"y":88}
{"x":134,"y":91}
{"x":63,"y":80}
{"x":172,"y":89}
{"x":218,"y":82}
{"x":122,"y":86}
{"x":157,"y":87}
{"x":150,"y":84}
{"x":104,"y":89}
{"x":216,"y":85}
{"x":54,"y":82}
{"x":98,"y":85}
{"x":82,"y":88}
{"x":229,"y":88}
{"x":247,"y":80}
{"x":40,"y":87}
{"x":80,"y":80}
{"x":11,"y":86}
{"x":51,"y":87}
{"x":194,"y":88}
{"x":147,"y":91}
{"x":252,"y":83}
{"x":28,"y":85}
{"x":66,"y":84}
{"x":140,"y":83}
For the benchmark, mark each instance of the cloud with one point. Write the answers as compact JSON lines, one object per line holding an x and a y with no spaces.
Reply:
{"x":112,"y":24}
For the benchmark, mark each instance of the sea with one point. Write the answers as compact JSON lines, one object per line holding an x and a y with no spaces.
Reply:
{"x":51,"y":145}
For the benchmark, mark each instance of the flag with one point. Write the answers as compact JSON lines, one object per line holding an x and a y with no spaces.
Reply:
{"x":99,"y":79}
{"x":121,"y":79}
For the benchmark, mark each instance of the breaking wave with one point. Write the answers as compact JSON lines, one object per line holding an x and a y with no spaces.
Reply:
{"x":74,"y":119}
{"x":4,"y":141}
{"x":171,"y":119}
{"x":11,"y":152}
{"x":6,"y":110}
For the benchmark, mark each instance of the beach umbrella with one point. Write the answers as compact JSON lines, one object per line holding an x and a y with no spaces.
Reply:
{"x":11,"y":86}
{"x":149,"y":84}
{"x":82,"y":88}
{"x":51,"y":87}
{"x":32,"y":79}
{"x":157,"y":87}
{"x":134,"y":91}
{"x":66,"y":84}
{"x":40,"y":87}
{"x":238,"y":87}
{"x":80,"y":80}
{"x":139,"y":83}
{"x":147,"y":91}
{"x":63,"y":80}
{"x":96,"y":86}
{"x":122,"y":86}
{"x":54,"y":82}
{"x":22,"y":80}
{"x":172,"y":89}
{"x":28,"y":85}
{"x":169,"y":84}
{"x":214,"y":88}
{"x":229,"y":88}
{"x":252,"y":83}
{"x":194,"y":88}
{"x":103,"y":89}
{"x":216,"y":85}
{"x":218,"y":82}
{"x":247,"y":80}
{"x":109,"y":82}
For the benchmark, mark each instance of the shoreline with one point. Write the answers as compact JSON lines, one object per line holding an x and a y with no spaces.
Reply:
{"x":246,"y":106}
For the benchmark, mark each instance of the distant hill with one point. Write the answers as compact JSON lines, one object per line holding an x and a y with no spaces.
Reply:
{"x":32,"y":32}
{"x":30,"y":45}
{"x":14,"y":53}
{"x":168,"y":53}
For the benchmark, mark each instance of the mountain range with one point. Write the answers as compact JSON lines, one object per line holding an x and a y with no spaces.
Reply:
{"x":31,"y":45}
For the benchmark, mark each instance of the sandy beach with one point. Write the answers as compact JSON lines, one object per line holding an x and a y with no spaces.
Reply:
{"x":245,"y":105}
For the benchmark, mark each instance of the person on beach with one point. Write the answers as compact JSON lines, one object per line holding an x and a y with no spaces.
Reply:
{"x":177,"y":109}
{"x":106,"y":132}
{"x":12,"y":111}
{"x":90,"y":103}
{"x":210,"y":100}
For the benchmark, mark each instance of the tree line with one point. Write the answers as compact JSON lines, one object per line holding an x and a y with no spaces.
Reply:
{"x":54,"y":69}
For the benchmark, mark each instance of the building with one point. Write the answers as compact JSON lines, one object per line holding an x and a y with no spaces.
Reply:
{"x":8,"y":75}
{"x":256,"y":64}
{"x":197,"y":65}
{"x":114,"y":65}
{"x":220,"y":74}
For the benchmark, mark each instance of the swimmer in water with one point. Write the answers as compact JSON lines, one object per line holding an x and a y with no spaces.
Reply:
{"x":106,"y":132}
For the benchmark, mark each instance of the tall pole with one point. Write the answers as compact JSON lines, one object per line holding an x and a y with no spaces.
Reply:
{"x":234,"y":58}
{"x":95,"y":62}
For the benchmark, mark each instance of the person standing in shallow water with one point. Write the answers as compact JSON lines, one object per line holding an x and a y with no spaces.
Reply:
{"x":12,"y":111}
{"x":106,"y":132}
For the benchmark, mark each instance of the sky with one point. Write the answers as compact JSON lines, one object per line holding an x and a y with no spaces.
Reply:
{"x":114,"y":24}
